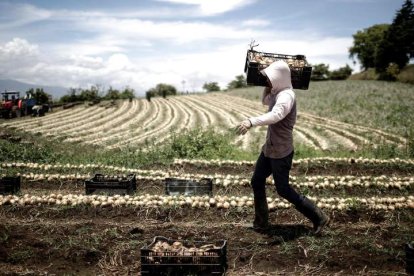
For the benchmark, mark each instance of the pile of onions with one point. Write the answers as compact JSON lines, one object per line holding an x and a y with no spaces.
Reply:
{"x":315,"y":160}
{"x":314,"y":182}
{"x":204,"y":202}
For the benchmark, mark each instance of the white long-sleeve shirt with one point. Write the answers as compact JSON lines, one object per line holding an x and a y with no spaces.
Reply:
{"x":284,"y":102}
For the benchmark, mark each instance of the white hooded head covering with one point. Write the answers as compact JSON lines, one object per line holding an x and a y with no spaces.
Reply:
{"x":278,"y":73}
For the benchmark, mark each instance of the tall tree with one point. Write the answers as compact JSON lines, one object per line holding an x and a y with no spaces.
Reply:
{"x":128,"y":93}
{"x":341,"y":73}
{"x":211,"y":86}
{"x":239,"y":82}
{"x":366,"y":45}
{"x":398,"y":43}
{"x":162,"y":89}
{"x":112,"y":94}
{"x":320,"y":72}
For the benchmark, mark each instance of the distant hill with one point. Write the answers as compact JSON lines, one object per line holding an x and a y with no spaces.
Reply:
{"x":56,"y":92}
{"x":406,"y":75}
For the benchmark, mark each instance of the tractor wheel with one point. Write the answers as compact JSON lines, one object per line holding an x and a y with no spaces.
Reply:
{"x":6,"y":114}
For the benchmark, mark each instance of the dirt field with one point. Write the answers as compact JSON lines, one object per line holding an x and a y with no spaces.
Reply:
{"x":87,"y":240}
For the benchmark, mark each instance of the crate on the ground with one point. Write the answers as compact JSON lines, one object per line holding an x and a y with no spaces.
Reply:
{"x":177,"y":186}
{"x":9,"y":184}
{"x":175,"y":257}
{"x":257,"y":61}
{"x":409,"y":258}
{"x":111,"y":184}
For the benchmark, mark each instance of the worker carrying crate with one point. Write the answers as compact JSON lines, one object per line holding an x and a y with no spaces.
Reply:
{"x":257,"y":61}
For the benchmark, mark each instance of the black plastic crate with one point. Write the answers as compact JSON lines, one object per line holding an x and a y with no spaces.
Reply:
{"x":409,"y":258}
{"x":176,"y":186}
{"x":299,"y":69}
{"x":111,"y":184}
{"x":10,"y":185}
{"x":211,"y":261}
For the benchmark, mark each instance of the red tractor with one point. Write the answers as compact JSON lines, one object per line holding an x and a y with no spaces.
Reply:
{"x":12,"y":106}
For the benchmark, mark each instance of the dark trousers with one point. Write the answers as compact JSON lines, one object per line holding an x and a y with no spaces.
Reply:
{"x":280,"y":169}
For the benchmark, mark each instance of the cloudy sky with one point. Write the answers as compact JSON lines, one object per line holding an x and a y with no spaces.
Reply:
{"x":181,"y":42}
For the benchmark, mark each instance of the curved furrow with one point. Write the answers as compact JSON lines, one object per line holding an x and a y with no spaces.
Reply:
{"x":228,"y":105}
{"x":159,"y":122}
{"x":355,"y":138}
{"x":245,"y":113}
{"x":217,"y":118}
{"x":153,"y":117}
{"x":93,"y":125}
{"x":171,"y":117}
{"x":343,"y":130}
{"x":30,"y":121}
{"x":340,"y":140}
{"x":180,"y":120}
{"x":203,"y":119}
{"x":238,"y":112}
{"x":125,"y":128}
{"x":359,"y":127}
{"x":110,"y":125}
{"x":211,"y":119}
{"x":225,"y":114}
{"x":193,"y":120}
{"x":73,"y":117}
{"x":41,"y":126}
{"x":253,"y":109}
{"x":191,"y":110}
{"x":363,"y":137}
{"x":319,"y":141}
{"x":189,"y":120}
{"x":245,"y":102}
{"x":301,"y":138}
{"x":57,"y":127}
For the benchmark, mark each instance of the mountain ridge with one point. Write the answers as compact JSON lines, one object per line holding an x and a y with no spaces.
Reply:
{"x":9,"y":84}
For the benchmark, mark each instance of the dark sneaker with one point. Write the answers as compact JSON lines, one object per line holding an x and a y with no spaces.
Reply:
{"x":322,"y":224}
{"x":261,"y":227}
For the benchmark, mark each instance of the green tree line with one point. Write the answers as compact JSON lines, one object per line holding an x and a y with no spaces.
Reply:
{"x":386,"y":47}
{"x":95,"y":94}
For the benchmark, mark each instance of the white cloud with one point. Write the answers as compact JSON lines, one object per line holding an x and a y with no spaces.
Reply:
{"x":220,"y":64}
{"x":175,"y":31}
{"x":213,"y":7}
{"x":120,"y":50}
{"x":21,"y":14}
{"x":17,"y":48}
{"x":256,"y":23}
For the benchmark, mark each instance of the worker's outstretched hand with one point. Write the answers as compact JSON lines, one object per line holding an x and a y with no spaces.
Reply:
{"x":243,"y":127}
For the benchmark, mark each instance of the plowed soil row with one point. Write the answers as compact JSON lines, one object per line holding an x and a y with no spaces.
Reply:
{"x":86,"y":240}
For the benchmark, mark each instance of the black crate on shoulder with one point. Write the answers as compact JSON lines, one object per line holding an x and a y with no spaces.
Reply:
{"x":191,"y":258}
{"x":256,"y":61}
{"x":105,"y":184}
{"x":9,"y":185}
{"x":177,"y":186}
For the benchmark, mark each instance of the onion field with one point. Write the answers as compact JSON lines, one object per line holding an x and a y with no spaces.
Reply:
{"x":52,"y":226}
{"x":138,"y":122}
